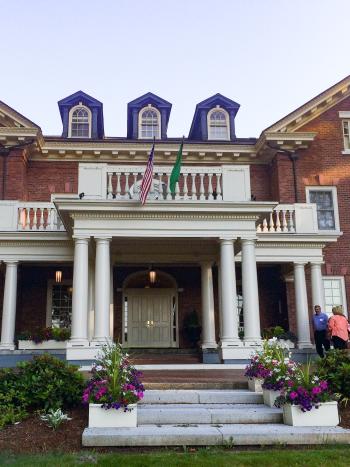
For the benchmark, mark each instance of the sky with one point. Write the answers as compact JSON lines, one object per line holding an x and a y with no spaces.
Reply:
{"x":270,"y":56}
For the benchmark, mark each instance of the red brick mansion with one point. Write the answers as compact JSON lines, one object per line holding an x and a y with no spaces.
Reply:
{"x":255,"y":234}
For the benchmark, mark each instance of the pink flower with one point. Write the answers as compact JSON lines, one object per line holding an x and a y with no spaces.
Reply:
{"x":323,"y":385}
{"x":316,"y":390}
{"x":293,"y":395}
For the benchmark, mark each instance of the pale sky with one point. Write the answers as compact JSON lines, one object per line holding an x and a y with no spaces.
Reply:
{"x":270,"y":56}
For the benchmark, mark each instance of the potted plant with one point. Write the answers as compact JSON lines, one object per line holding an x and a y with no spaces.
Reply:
{"x":260,"y":364}
{"x":44,"y":339}
{"x":114,"y":390}
{"x":307,"y":401}
{"x":192,"y":328}
{"x":282,"y":370}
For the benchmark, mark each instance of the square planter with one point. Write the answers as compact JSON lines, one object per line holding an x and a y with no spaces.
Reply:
{"x":45,"y":345}
{"x":270,"y":396}
{"x":112,"y":418}
{"x":325,"y":415}
{"x":254,"y":384}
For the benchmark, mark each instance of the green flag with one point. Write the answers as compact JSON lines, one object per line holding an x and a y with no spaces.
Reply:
{"x":175,"y":173}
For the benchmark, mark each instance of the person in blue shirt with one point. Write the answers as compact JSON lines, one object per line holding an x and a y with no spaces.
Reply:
{"x":320,"y":322}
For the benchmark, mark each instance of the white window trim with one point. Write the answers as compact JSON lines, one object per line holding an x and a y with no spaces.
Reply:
{"x":70,"y":120}
{"x":50,"y":284}
{"x":227,"y":123}
{"x":149,"y":107}
{"x":343,"y":290}
{"x":333,"y":189}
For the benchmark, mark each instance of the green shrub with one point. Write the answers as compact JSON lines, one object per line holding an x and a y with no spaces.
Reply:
{"x":10,"y":414}
{"x":48,"y":382}
{"x":335,"y":368}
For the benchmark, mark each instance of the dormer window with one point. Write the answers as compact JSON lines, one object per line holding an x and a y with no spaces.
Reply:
{"x":80,"y":122}
{"x":218,"y":125}
{"x":149,"y":123}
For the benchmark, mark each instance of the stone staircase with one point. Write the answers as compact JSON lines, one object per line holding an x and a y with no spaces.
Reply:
{"x":202,"y":417}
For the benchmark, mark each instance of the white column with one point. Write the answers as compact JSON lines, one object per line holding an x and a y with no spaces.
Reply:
{"x":9,"y":307}
{"x":102,"y":290}
{"x":251,"y":314}
{"x":229,"y":316}
{"x":301,"y":306}
{"x":208,"y":315}
{"x":80,"y":292}
{"x":111,"y":303}
{"x":91,"y":301}
{"x":317,"y":288}
{"x":219,"y":297}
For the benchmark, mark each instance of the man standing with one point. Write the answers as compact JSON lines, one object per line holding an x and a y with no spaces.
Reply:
{"x":320,"y":321}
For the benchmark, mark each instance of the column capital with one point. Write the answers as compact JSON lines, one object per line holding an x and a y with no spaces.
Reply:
{"x":207,"y":262}
{"x":103,"y":239}
{"x":227,"y":240}
{"x":315,"y":265}
{"x":248,"y":241}
{"x":299,"y":264}
{"x":11,"y":262}
{"x":77,"y":238}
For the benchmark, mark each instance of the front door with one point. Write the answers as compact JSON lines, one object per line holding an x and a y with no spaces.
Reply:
{"x":149,"y":318}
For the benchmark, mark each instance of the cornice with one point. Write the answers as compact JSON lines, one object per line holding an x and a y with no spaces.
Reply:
{"x":292,"y":244}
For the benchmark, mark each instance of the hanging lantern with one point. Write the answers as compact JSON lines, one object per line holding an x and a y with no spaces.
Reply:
{"x":152,"y":275}
{"x":58,"y":276}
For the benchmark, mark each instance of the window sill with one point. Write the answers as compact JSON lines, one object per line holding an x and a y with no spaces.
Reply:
{"x":346,"y":152}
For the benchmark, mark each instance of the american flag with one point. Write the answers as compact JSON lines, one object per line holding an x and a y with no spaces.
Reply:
{"x":147,"y":177}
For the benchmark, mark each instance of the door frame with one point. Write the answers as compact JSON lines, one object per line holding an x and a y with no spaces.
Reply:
{"x":149,"y":291}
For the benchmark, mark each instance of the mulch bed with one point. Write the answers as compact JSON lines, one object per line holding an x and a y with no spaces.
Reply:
{"x":34,"y":436}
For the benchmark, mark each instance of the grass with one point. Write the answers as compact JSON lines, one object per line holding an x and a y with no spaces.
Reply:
{"x":191,"y":457}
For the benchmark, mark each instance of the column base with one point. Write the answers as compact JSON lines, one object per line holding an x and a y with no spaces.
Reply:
{"x":7,"y":347}
{"x":304,"y":345}
{"x":252,"y":342}
{"x":242,"y":354}
{"x":100,"y":341}
{"x":209,"y":345}
{"x":77,"y":343}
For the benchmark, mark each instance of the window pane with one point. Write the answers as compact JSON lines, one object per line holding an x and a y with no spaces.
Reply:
{"x":325,"y":208}
{"x":218,"y":127}
{"x":80,"y":126}
{"x":333,"y":294}
{"x":61,"y":311}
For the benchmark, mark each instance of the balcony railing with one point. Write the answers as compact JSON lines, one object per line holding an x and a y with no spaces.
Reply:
{"x":30,"y":216}
{"x":300,"y":218}
{"x":196,"y":183}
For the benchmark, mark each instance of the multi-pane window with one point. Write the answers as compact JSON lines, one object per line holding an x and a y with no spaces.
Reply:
{"x":80,"y":123}
{"x":325,"y":208}
{"x":346,"y":135}
{"x":333,"y":293}
{"x":218,"y":125}
{"x":61,"y":308}
{"x":150,"y":124}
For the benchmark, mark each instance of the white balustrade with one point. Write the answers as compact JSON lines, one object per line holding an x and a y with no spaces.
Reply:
{"x":280,"y":220}
{"x":195,"y":183}
{"x":38,"y":216}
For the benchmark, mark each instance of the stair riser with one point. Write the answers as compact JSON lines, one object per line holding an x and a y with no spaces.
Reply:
{"x":203,"y":416}
{"x":197,"y":398}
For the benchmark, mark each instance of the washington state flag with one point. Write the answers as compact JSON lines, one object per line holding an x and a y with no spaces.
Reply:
{"x":175,"y":173}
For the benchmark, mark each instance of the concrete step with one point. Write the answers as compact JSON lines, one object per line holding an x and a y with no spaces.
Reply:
{"x":197,"y":385}
{"x":201,"y":396}
{"x":206,"y":435}
{"x":170,"y":414}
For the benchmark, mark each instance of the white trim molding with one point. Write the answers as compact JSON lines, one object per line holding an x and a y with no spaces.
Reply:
{"x":342,"y":289}
{"x":159,"y":120}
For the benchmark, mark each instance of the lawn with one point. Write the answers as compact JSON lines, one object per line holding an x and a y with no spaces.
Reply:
{"x":311,"y":457}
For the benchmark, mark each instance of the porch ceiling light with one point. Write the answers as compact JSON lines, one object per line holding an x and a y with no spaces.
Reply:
{"x":58,"y":276}
{"x":152,"y":275}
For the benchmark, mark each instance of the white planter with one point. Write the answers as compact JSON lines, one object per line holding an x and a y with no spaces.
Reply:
{"x":112,"y":418}
{"x":290,"y":344}
{"x":270,"y":396}
{"x":45,"y":345}
{"x":254,"y":384}
{"x":325,"y":415}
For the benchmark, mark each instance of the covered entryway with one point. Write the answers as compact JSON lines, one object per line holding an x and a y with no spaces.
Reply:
{"x":150,"y":311}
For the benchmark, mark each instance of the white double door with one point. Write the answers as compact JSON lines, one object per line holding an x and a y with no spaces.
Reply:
{"x":151,"y":317}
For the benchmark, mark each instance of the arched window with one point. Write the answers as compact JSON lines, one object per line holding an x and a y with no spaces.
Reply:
{"x":218,"y":124}
{"x":80,"y":122}
{"x":149,"y":123}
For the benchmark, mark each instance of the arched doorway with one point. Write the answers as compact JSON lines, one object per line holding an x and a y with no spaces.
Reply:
{"x":150,"y":311}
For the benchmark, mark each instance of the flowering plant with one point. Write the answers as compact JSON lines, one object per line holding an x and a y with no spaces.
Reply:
{"x":281,"y":372}
{"x":115,"y":383}
{"x":304,"y":389}
{"x":261,"y":363}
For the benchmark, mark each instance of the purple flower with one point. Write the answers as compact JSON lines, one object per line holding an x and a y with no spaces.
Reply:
{"x":293,"y":395}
